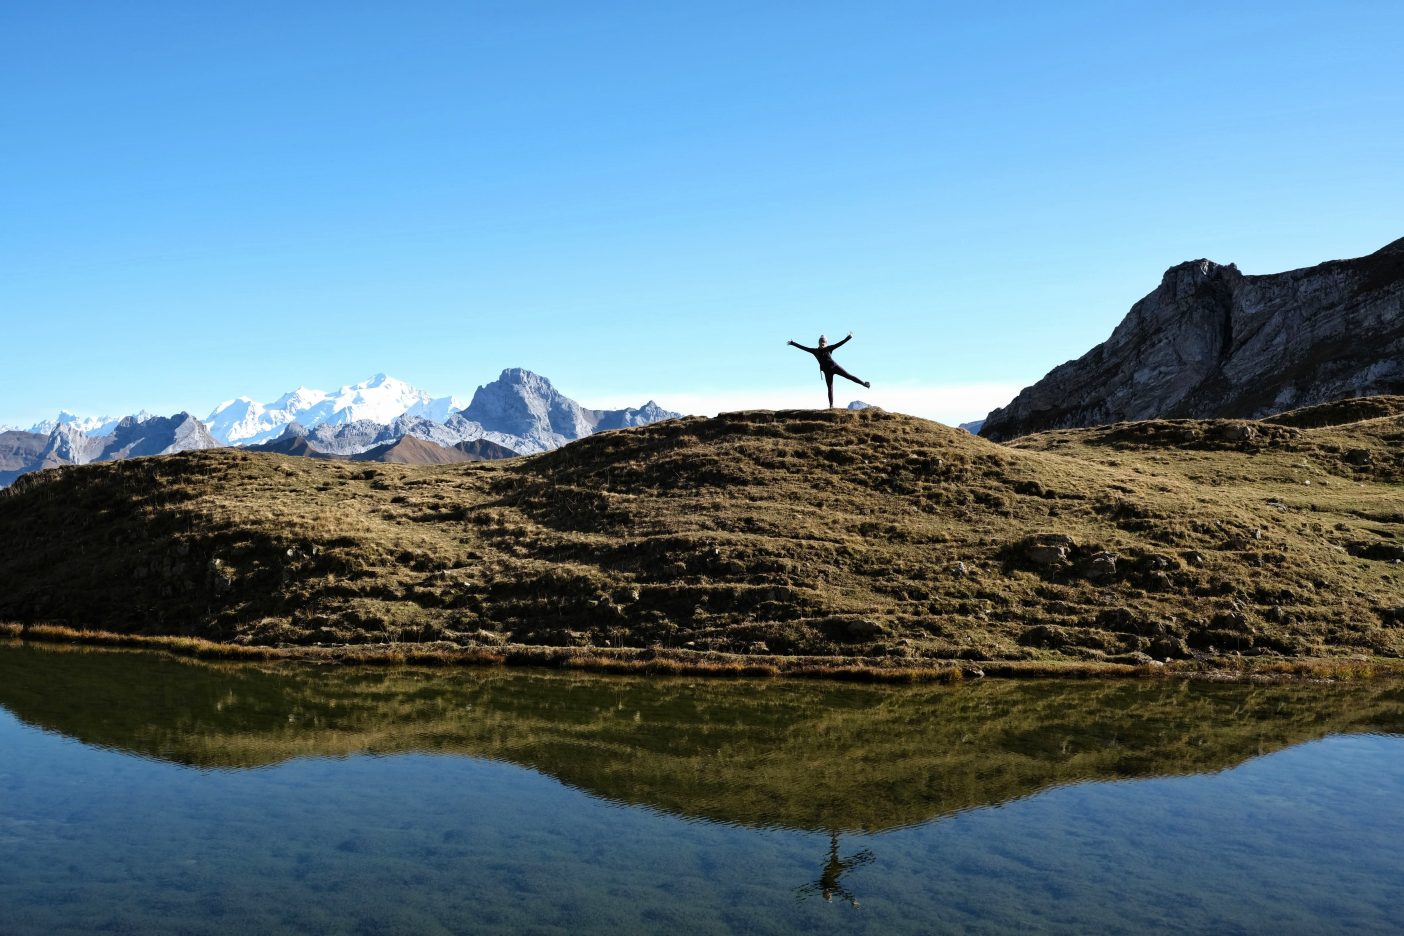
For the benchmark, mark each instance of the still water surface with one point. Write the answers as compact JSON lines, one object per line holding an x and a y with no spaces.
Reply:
{"x":145,"y":794}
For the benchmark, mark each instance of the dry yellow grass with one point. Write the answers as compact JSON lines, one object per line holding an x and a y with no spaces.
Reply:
{"x":789,"y":542}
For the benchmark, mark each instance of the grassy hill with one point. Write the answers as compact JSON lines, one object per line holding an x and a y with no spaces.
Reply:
{"x":790,"y":538}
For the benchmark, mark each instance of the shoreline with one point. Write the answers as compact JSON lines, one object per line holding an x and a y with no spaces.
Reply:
{"x":661,"y":662}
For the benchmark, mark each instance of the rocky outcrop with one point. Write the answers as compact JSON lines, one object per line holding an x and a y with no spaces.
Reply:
{"x":539,"y":417}
{"x":1210,"y":342}
{"x":157,"y":435}
{"x":524,"y":404}
{"x":69,"y":445}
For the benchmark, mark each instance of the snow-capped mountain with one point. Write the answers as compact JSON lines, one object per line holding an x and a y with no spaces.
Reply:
{"x":518,"y":413}
{"x":243,"y":421}
{"x":88,"y":425}
{"x":520,"y":410}
{"x":438,"y":409}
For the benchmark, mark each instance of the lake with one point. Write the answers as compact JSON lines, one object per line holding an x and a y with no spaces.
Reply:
{"x":142,"y":793}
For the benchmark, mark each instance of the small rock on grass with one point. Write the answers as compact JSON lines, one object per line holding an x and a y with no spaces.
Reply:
{"x":1100,"y":566}
{"x":865,"y":629}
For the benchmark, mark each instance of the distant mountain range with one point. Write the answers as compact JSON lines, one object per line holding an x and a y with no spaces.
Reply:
{"x":381,"y":419}
{"x":243,"y":421}
{"x":1210,"y":342}
{"x":132,"y":437}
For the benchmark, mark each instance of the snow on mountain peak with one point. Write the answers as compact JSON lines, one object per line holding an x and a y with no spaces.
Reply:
{"x":380,"y":399}
{"x":300,"y":399}
{"x":88,"y":425}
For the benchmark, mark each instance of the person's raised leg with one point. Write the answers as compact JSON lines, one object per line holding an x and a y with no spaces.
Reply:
{"x":843,"y":373}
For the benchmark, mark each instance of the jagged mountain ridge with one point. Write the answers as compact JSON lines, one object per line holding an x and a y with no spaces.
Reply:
{"x":1211,"y":342}
{"x":521,"y":413}
{"x":520,"y":410}
{"x":353,"y":438}
{"x":132,"y":437}
{"x":244,"y":421}
{"x":89,"y":425}
{"x":526,"y":407}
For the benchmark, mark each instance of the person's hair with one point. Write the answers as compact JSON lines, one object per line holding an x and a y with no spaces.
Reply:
{"x":823,"y":340}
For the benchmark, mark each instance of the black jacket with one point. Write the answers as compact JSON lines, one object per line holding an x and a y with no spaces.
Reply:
{"x":825,"y":354}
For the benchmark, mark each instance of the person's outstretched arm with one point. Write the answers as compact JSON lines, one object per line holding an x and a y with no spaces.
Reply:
{"x":839,"y":344}
{"x":802,"y":347}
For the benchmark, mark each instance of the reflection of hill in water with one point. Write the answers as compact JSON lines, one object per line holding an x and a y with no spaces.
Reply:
{"x":781,"y":753}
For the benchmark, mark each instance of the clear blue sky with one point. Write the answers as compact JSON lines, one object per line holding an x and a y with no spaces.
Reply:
{"x":641,"y":199}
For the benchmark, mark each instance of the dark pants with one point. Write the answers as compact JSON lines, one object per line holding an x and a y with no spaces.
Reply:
{"x":829,"y":379}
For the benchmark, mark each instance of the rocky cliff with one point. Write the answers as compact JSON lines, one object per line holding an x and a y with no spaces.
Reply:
{"x":157,"y":435}
{"x":524,"y":411}
{"x":1211,"y":342}
{"x":19,"y":451}
{"x":68,"y":444}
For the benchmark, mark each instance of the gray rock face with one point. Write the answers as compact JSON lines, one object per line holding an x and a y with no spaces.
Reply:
{"x":650,"y":412}
{"x":524,"y":404}
{"x":66,"y":444}
{"x":362,"y":435}
{"x":538,"y":418}
{"x":18,"y":453}
{"x":1210,"y":342}
{"x":157,"y":435}
{"x":350,"y":438}
{"x":519,"y":413}
{"x":69,"y":445}
{"x":19,"y":448}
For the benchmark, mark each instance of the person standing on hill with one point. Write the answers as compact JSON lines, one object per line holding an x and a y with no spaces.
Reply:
{"x":825,"y":354}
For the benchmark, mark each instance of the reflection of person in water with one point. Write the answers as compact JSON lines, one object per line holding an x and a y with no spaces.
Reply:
{"x":827,"y":365}
{"x":828,"y":884}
